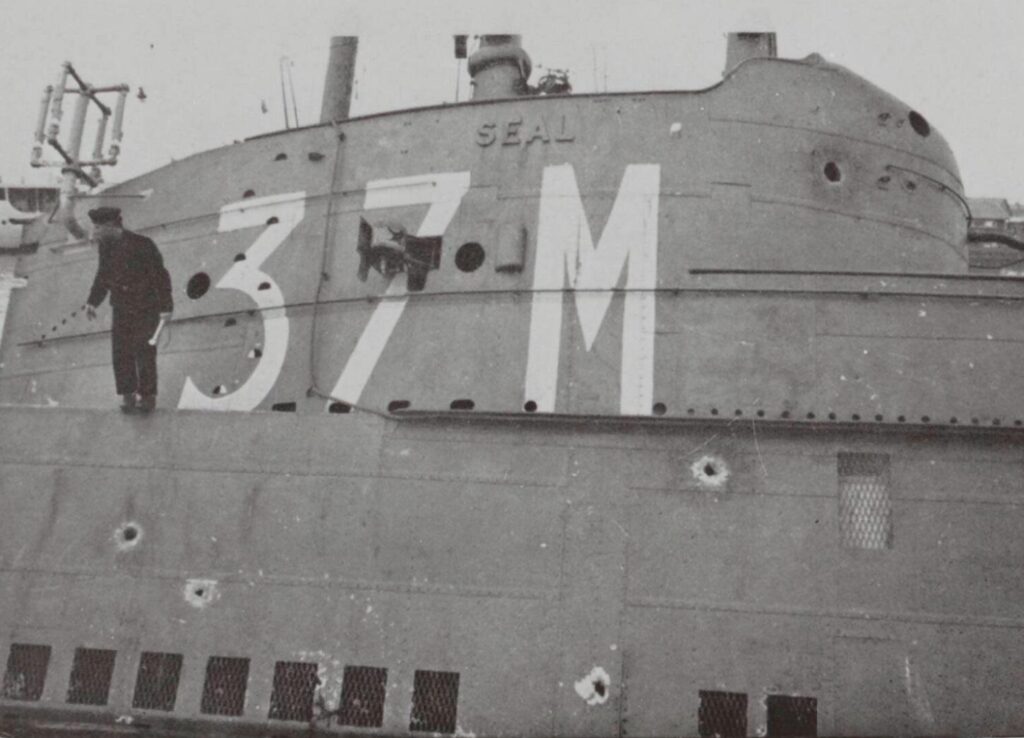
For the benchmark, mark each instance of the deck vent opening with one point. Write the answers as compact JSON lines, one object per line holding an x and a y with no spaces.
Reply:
{"x":435,"y":699}
{"x":224,"y":688}
{"x":198,"y":285}
{"x":295,"y":683}
{"x":469,"y":257}
{"x":530,"y":406}
{"x":91,"y":672}
{"x":832,"y":173}
{"x":156,"y":684}
{"x":363,"y":690}
{"x":722,"y":714}
{"x":919,"y":124}
{"x":865,"y":507}
{"x":339,"y":408}
{"x":395,"y":405}
{"x":26,"y":672}
{"x":283,"y":407}
{"x":462,"y":405}
{"x":792,"y":716}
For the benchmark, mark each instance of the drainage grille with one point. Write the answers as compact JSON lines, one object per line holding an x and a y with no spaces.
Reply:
{"x":294,"y":685}
{"x":865,"y":509}
{"x":792,"y":716}
{"x":91,"y":672}
{"x":156,"y":685}
{"x":224,"y":690}
{"x":26,"y":672}
{"x":435,"y":697}
{"x":722,"y":714}
{"x":362,"y":696}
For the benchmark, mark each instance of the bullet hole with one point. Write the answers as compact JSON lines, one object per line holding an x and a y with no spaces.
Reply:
{"x":198,"y":285}
{"x":659,"y":408}
{"x":919,"y":124}
{"x":594,"y":687}
{"x":281,"y":157}
{"x":339,"y":408}
{"x":883,"y":182}
{"x":469,"y":257}
{"x":462,"y":405}
{"x":127,"y":536}
{"x":831,"y":416}
{"x":230,"y":322}
{"x":315,"y":156}
{"x":273,"y":220}
{"x":201,"y":592}
{"x":530,"y":406}
{"x":248,"y":194}
{"x":910,"y":185}
{"x":283,"y":407}
{"x":710,"y":471}
{"x":263,"y":286}
{"x":256,"y":353}
{"x":219,"y":390}
{"x":239,"y":257}
{"x":396,"y":405}
{"x":832,"y":173}
{"x":600,"y":688}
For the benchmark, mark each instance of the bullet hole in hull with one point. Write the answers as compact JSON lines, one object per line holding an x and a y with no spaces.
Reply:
{"x":396,"y":405}
{"x":198,"y":285}
{"x":339,"y":408}
{"x":594,"y":688}
{"x":201,"y":593}
{"x":239,"y":257}
{"x":462,"y":405}
{"x":710,"y":472}
{"x":127,"y":536}
{"x":248,"y":193}
{"x":281,"y":157}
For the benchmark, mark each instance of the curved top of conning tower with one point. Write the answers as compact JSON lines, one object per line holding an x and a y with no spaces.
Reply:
{"x":653,"y":253}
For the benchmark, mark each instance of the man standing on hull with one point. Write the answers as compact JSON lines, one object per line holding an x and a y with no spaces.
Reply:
{"x":132,"y":271}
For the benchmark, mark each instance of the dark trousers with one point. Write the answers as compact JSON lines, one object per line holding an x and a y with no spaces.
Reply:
{"x":134,"y":359}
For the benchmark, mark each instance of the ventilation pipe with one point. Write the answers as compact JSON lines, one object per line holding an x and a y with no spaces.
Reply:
{"x":341,"y":68}
{"x":499,"y":68}
{"x":748,"y":45}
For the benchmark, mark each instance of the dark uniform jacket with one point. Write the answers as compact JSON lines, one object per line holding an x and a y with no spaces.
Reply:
{"x":133,"y":272}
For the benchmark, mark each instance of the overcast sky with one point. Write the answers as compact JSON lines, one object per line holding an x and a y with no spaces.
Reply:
{"x":206,"y":65}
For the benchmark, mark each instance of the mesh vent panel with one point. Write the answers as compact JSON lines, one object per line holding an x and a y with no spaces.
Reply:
{"x":722,"y":714}
{"x":90,"y":676}
{"x":865,"y":509}
{"x":435,"y":697}
{"x":156,"y":685}
{"x":224,"y":690}
{"x":26,"y":672}
{"x":294,"y":685}
{"x":362,"y":696}
{"x":792,"y":716}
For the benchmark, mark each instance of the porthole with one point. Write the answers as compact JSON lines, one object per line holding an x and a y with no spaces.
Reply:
{"x":198,"y":285}
{"x":469,"y":257}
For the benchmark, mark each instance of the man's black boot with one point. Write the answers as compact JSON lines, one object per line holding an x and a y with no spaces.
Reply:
{"x":128,"y":403}
{"x":147,"y":404}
